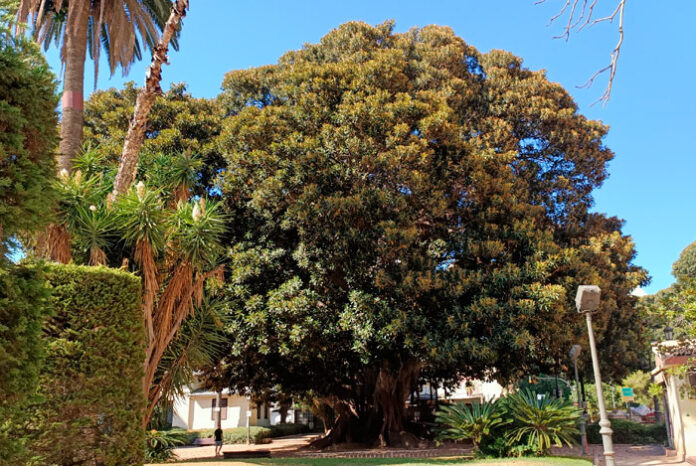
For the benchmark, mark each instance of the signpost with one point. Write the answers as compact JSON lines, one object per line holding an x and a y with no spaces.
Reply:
{"x":627,"y":396}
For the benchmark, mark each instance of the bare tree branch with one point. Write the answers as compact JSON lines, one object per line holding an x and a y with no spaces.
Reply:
{"x":577,"y":21}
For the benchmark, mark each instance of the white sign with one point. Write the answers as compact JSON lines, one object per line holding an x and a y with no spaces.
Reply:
{"x":248,"y":413}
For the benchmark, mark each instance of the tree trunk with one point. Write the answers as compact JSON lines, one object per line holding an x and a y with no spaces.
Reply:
{"x":128,"y":164}
{"x":379,"y":418}
{"x":391,"y":392}
{"x":73,"y":83}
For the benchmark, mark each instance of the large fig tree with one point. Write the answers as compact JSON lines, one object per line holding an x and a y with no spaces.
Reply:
{"x":402,"y":205}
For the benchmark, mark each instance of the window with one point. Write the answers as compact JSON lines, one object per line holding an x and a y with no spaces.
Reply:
{"x":258,"y":411}
{"x":223,"y":410}
{"x":692,"y":379}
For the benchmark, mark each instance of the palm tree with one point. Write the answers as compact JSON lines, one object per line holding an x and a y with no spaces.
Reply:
{"x":122,"y":27}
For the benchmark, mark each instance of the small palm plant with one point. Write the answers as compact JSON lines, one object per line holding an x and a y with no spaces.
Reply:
{"x":540,"y":421}
{"x":475,"y":422}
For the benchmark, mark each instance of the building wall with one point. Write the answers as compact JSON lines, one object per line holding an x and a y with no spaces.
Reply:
{"x":194,"y":412}
{"x":687,"y":406}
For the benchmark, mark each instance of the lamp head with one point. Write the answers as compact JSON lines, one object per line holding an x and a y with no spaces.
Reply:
{"x":669,"y":333}
{"x":587,"y":299}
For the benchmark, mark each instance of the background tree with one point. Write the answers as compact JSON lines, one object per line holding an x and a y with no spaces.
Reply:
{"x":123,"y":28}
{"x":402,"y":203}
{"x":640,"y":382}
{"x":675,"y":306}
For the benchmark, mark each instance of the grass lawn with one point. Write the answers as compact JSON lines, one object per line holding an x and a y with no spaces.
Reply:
{"x":558,"y":461}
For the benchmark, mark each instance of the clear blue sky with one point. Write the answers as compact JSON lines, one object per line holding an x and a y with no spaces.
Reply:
{"x":651,"y":112}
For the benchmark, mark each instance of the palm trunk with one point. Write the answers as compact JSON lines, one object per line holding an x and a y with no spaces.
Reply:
{"x":73,"y":84}
{"x":128,"y":164}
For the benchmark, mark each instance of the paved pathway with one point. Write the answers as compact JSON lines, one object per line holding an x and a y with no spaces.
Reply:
{"x":283,"y":445}
{"x":627,"y":455}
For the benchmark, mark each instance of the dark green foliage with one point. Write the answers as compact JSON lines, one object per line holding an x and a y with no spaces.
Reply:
{"x":630,"y":432}
{"x":159,"y":444}
{"x":28,"y":137}
{"x":23,"y":306}
{"x":550,"y":385}
{"x":91,"y":382}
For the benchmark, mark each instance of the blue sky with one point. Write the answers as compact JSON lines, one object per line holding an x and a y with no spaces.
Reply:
{"x":651,"y":112}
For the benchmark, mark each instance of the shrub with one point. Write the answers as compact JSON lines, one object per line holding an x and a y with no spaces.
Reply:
{"x":91,"y":383}
{"x":234,"y":435}
{"x":23,"y":304}
{"x":281,"y":430}
{"x":159,"y":444}
{"x":541,"y":422}
{"x":476,"y":422}
{"x":630,"y":432}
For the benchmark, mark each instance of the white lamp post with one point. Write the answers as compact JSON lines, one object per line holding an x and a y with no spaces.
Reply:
{"x":587,"y":302}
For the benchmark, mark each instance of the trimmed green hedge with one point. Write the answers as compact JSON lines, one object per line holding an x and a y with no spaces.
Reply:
{"x":92,"y":379}
{"x":234,"y":435}
{"x":282,"y":430}
{"x":630,"y":432}
{"x":258,"y":433}
{"x":23,"y":305}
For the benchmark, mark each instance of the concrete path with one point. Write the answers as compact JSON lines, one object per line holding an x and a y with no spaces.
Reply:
{"x":627,"y":455}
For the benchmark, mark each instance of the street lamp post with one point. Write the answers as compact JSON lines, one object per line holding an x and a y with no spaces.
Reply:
{"x":587,"y":302}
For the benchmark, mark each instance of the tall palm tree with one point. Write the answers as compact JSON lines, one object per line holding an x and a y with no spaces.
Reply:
{"x":122,"y":27}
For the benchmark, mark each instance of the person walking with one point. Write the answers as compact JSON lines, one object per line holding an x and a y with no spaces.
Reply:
{"x":218,"y":441}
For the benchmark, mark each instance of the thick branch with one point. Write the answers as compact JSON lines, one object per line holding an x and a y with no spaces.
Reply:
{"x":146,"y":98}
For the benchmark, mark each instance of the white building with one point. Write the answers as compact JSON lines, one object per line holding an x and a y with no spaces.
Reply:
{"x":673,"y":360}
{"x":195,"y":410}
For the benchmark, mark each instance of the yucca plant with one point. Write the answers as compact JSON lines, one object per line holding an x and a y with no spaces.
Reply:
{"x":174,"y":246}
{"x":475,"y":422}
{"x":541,"y":421}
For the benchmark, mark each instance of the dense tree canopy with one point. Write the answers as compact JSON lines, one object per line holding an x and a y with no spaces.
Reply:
{"x":401,"y":205}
